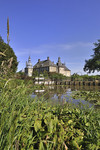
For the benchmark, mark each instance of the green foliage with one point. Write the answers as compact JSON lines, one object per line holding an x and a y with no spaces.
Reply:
{"x":93,"y":97}
{"x":8,"y":61}
{"x":1,"y":40}
{"x":91,"y":78}
{"x":56,"y":76}
{"x":21,"y":75}
{"x":51,"y":75}
{"x":27,"y":123}
{"x":75,"y":76}
{"x":45,"y":74}
{"x":94,"y":63}
{"x":86,"y":77}
{"x":35,"y":73}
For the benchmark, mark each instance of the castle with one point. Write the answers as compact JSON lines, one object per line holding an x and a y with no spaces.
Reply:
{"x":46,"y":65}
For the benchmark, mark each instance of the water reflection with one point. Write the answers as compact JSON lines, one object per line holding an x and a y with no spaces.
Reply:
{"x":61,"y":94}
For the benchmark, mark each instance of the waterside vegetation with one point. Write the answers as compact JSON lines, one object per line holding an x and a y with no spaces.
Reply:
{"x":91,"y":96}
{"x":36,"y":123}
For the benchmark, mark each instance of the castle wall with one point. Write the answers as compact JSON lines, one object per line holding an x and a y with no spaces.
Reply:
{"x":64,"y":72}
{"x":28,"y":71}
{"x":68,"y":73}
{"x":52,"y":69}
{"x":41,"y":69}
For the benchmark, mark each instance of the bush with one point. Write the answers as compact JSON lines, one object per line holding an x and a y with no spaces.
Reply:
{"x":56,"y":76}
{"x":86,"y":77}
{"x":8,"y":61}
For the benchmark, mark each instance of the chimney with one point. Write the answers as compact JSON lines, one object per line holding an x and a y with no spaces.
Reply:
{"x":58,"y":59}
{"x":38,"y":60}
{"x":47,"y":58}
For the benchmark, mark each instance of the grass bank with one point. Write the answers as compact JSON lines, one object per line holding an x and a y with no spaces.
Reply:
{"x":29,"y":123}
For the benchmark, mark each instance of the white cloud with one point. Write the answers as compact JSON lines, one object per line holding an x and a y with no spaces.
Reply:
{"x":29,"y":51}
{"x":66,"y":46}
{"x":53,"y":47}
{"x":73,"y":63}
{"x":75,"y":45}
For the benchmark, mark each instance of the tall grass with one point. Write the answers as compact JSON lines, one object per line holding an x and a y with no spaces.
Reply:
{"x":30,"y":123}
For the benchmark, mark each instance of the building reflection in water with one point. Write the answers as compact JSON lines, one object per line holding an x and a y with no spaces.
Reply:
{"x":61,"y":94}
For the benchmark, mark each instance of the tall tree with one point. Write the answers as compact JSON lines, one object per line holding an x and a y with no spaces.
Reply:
{"x":8,"y":39}
{"x":8,"y":59}
{"x":93,"y":64}
{"x":1,"y":40}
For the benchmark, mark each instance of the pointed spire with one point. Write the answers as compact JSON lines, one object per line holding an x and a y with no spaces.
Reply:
{"x":58,"y":59}
{"x":29,"y":58}
{"x":29,"y":64}
{"x":26,"y":64}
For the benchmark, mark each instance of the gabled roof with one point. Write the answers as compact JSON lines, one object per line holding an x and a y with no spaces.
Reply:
{"x":63,"y":66}
{"x":66,"y":69}
{"x":44,"y":63}
{"x":48,"y":62}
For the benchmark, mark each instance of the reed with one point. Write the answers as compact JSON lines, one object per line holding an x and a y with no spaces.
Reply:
{"x":30,"y":123}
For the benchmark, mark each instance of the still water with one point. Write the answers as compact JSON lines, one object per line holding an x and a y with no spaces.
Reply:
{"x":62,"y":94}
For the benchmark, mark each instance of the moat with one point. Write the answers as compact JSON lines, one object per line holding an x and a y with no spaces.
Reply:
{"x":62,"y":94}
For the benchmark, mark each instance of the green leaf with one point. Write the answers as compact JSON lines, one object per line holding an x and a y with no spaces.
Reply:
{"x":74,"y":143}
{"x":70,"y":121}
{"x":41,"y":146}
{"x":37,"y":125}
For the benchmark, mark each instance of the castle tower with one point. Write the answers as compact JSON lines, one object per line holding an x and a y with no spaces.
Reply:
{"x":62,"y":69}
{"x":59,"y":62}
{"x":29,"y":68}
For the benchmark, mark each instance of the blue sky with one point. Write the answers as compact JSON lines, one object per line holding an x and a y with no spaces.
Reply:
{"x":41,"y":28}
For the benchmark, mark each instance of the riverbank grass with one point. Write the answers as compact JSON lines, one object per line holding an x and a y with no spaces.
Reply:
{"x":32,"y":123}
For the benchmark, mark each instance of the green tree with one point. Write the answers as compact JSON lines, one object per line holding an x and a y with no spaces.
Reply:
{"x":93,"y":64}
{"x":56,"y":76}
{"x":1,"y":40}
{"x":45,"y":73}
{"x":8,"y":58}
{"x":35,"y":73}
